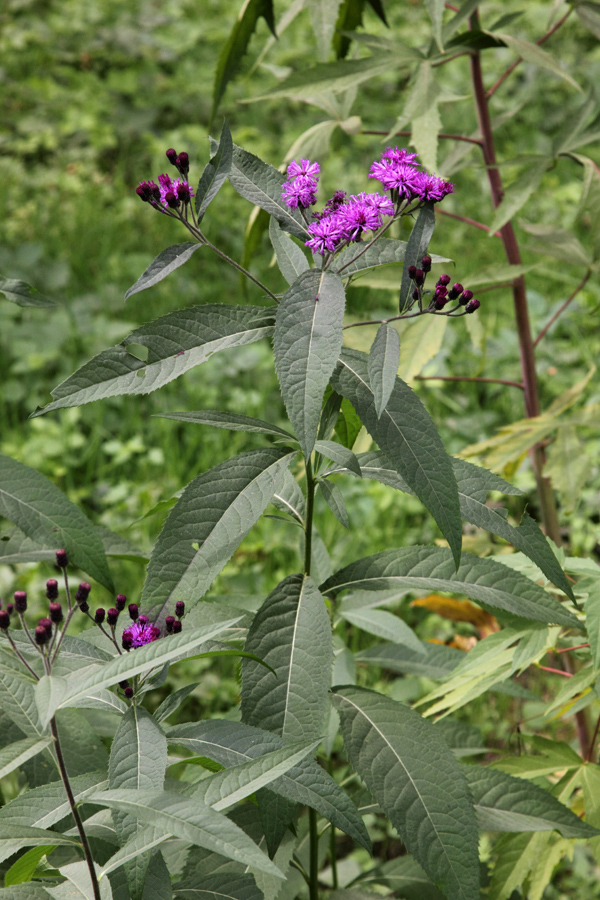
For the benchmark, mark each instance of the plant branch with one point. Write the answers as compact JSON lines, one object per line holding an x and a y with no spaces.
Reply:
{"x":593,"y":741}
{"x":313,"y":884}
{"x":568,"y":649}
{"x":21,"y":657}
{"x":559,"y":312}
{"x":517,"y":62}
{"x":516,"y":384}
{"x":448,"y":137}
{"x":556,"y":671}
{"x":473,"y":222}
{"x":74,"y":811}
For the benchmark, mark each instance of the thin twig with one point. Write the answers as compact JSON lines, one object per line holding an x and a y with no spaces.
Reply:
{"x":593,"y":741}
{"x":568,"y":649}
{"x":473,"y":222}
{"x":556,"y":671}
{"x":559,"y":312}
{"x":541,"y":41}
{"x":448,"y":137}
{"x":516,"y":384}
{"x":21,"y":657}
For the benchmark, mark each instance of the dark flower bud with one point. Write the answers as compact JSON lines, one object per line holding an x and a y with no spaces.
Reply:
{"x":123,"y":684}
{"x":426,"y":263}
{"x":472,"y":306}
{"x":419,"y":276}
{"x":415,"y":294}
{"x":172,"y":201}
{"x":183,"y":163}
{"x":177,"y":626}
{"x":466,"y":296}
{"x":4,"y":619}
{"x":120,"y":602}
{"x":169,"y":622}
{"x":99,"y":616}
{"x":171,"y":156}
{"x":127,"y":641}
{"x":20,"y":601}
{"x":179,"y":609}
{"x":47,"y":624}
{"x":143,"y":192}
{"x":41,"y":635}
{"x":455,"y":291}
{"x":10,"y":608}
{"x":111,"y":616}
{"x":52,"y":589}
{"x":183,"y":193}
{"x":143,"y":620}
{"x":441,"y":291}
{"x":133,"y":611}
{"x":412,"y":271}
{"x":83,"y":592}
{"x":444,"y":280}
{"x":128,"y":692}
{"x":440,"y":301}
{"x":56,"y":613}
{"x":62,"y":560}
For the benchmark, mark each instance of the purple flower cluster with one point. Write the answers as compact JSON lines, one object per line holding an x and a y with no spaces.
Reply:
{"x":300,"y":190}
{"x":141,"y":632}
{"x":398,"y":171}
{"x":345,"y":220}
{"x":170,"y":192}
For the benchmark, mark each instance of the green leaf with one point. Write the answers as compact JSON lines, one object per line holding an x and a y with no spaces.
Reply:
{"x":435,"y":8}
{"x":518,"y":193}
{"x":18,"y":702}
{"x":385,"y":625}
{"x":138,"y":759}
{"x":48,"y":804}
{"x":339,"y":454}
{"x":176,"y":343}
{"x":289,"y":498}
{"x":525,"y":859}
{"x":215,"y":174}
{"x":231,"y":743}
{"x":432,"y":569}
{"x":533,"y":54}
{"x":30,"y":891}
{"x":384,"y":359}
{"x":190,"y":821}
{"x":54,"y":692}
{"x":323,"y":16}
{"x":592,"y":619}
{"x":432,"y":661}
{"x":504,"y":803}
{"x":165,"y":263}
{"x":292,"y":633}
{"x":223,"y":886}
{"x":416,"y":248}
{"x":589,"y":14}
{"x":235,"y":48}
{"x":14,"y":755}
{"x":227,"y":420}
{"x":417,"y":782}
{"x":15,"y":838}
{"x":174,"y":701}
{"x":290,"y":258}
{"x":405,"y":877}
{"x":23,"y":869}
{"x":23,"y":294}
{"x":551,"y":240}
{"x":45,"y":515}
{"x":407,"y":435}
{"x":307,"y":342}
{"x":335,"y":501}
{"x":79,"y":876}
{"x":260,"y":183}
{"x":207,"y":524}
{"x":499,"y":274}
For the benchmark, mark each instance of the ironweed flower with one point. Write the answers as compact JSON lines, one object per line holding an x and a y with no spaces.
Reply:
{"x":139,"y":634}
{"x":300,"y":190}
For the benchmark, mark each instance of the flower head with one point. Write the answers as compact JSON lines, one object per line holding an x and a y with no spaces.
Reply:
{"x":173,"y":190}
{"x":325,"y":235}
{"x":358,"y":215}
{"x":137,"y":635}
{"x":305,"y":167}
{"x":302,"y":191}
{"x":399,"y":176}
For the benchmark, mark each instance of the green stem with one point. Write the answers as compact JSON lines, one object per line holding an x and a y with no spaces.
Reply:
{"x":313,"y":884}
{"x":87,"y":851}
{"x":313,"y":873}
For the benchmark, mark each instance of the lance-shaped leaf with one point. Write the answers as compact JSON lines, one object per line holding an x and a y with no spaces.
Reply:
{"x":231,"y":743}
{"x":14,"y":755}
{"x":474,"y":483}
{"x":432,"y":569}
{"x":82,"y":888}
{"x":406,"y":433}
{"x":416,"y":249}
{"x":215,"y":174}
{"x":406,"y":878}
{"x":291,"y":632}
{"x":189,"y":820}
{"x":339,"y":454}
{"x":290,"y":258}
{"x":261,"y":184}
{"x":431,"y":660}
{"x":224,"y":886}
{"x":308,"y":339}
{"x":335,"y":501}
{"x":15,"y":838}
{"x":45,"y":515}
{"x":504,"y":803}
{"x":54,"y":692}
{"x":435,"y":8}
{"x":46,"y":805}
{"x":353,"y":260}
{"x":207,"y":524}
{"x":229,"y":421}
{"x":385,"y":625}
{"x":18,"y":701}
{"x":175,"y":343}
{"x":289,"y":498}
{"x":165,"y":263}
{"x":535,"y":55}
{"x":138,"y":759}
{"x":23,"y":294}
{"x":416,"y":780}
{"x":384,"y":359}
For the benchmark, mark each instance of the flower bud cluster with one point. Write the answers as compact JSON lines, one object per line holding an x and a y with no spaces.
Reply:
{"x":169,"y":193}
{"x":442,"y":294}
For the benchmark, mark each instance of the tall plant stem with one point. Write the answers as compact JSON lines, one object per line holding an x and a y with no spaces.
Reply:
{"x":75,"y":812}
{"x":513,"y":256}
{"x":313,"y":870}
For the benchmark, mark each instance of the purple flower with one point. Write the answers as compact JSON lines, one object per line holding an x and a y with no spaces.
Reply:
{"x":430,"y":187}
{"x":302,"y":191}
{"x":356,"y":216}
{"x":177,"y":188}
{"x":398,"y":176}
{"x":332,"y":205}
{"x":138,"y":635}
{"x":325,"y":235}
{"x":306,"y":167}
{"x":399,"y":156}
{"x":382,"y":204}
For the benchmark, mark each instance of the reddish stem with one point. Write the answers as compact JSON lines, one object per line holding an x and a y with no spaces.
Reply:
{"x":449,"y":137}
{"x":516,"y":384}
{"x":567,"y":649}
{"x":559,"y":312}
{"x":473,"y":222}
{"x":556,"y":671}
